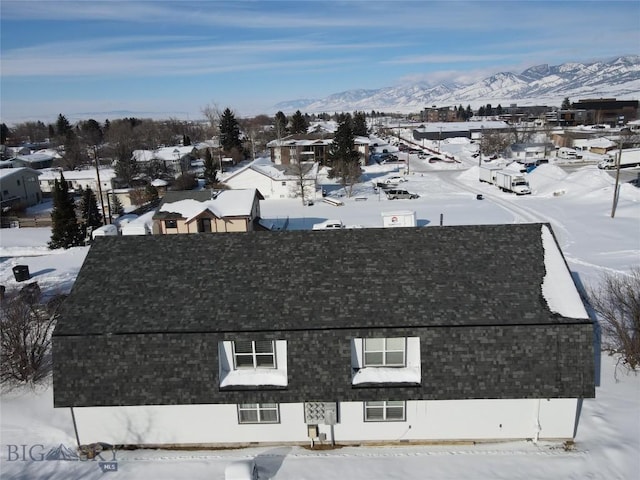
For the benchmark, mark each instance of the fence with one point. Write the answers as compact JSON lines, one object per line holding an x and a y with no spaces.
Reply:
{"x":24,"y":222}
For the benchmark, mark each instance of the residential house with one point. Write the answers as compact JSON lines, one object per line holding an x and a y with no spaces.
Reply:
{"x":207,"y":211}
{"x":310,"y":147}
{"x":529,"y":152}
{"x":36,"y":161}
{"x":277,"y":181}
{"x":78,"y":180}
{"x":173,"y":160}
{"x":19,"y":186}
{"x":474,"y":333}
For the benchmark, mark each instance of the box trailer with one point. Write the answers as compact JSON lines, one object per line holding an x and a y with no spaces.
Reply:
{"x":628,"y":159}
{"x":512,"y":182}
{"x":404,"y":218}
{"x":487,"y":173}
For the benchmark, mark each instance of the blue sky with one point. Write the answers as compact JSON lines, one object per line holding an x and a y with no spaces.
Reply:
{"x":172,"y":58}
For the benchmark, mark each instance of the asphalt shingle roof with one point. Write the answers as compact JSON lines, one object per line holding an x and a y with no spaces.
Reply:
{"x":300,"y":280}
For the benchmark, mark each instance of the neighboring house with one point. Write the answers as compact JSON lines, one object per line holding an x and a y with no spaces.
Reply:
{"x":19,"y":186}
{"x":310,"y":147}
{"x":276,"y":181}
{"x":78,"y":180}
{"x":174,"y":160}
{"x":37,"y":161}
{"x":207,"y":211}
{"x":473,"y":333}
{"x":528,"y":152}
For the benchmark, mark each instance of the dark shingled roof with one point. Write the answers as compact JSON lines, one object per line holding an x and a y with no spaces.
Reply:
{"x":146,"y":314}
{"x":475,"y":275}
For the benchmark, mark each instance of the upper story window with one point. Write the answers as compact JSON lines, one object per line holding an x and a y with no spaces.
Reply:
{"x":254,"y":354}
{"x":171,"y":224}
{"x":255,"y":363}
{"x":384,"y":352}
{"x":386,"y":360}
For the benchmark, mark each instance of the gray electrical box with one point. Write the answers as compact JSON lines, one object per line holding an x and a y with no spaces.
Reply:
{"x":325,"y":413}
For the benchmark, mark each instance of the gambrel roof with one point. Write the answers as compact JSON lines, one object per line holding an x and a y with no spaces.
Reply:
{"x":475,"y":295}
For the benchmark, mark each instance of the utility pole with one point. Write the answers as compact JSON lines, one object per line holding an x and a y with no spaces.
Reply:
{"x":616,"y":189}
{"x":95,"y":156}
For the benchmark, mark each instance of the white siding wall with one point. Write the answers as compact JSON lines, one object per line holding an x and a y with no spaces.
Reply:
{"x":425,"y":420}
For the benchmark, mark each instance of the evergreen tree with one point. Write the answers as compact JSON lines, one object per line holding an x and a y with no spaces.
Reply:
{"x":468,"y":112}
{"x":186,"y":140}
{"x":359,"y":124}
{"x":4,"y":133}
{"x":299,"y":123}
{"x":281,"y":125}
{"x":65,"y":231}
{"x":62,"y":126}
{"x":89,"y":212}
{"x":499,"y":110}
{"x":210,"y":170}
{"x":116,"y":205}
{"x":126,"y":166}
{"x":566,"y":104}
{"x":481,"y":111}
{"x":229,"y":131}
{"x":344,"y":158}
{"x":488,"y":110}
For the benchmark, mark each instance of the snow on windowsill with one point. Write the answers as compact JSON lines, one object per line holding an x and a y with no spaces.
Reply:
{"x":256,"y":377}
{"x":387,"y":375}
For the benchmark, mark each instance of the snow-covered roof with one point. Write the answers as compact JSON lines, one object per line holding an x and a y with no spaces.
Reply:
{"x":558,"y":288}
{"x":7,"y":172}
{"x":35,"y":157}
{"x":227,"y":203}
{"x":266,"y":167}
{"x":163,"y":153}
{"x":88,"y":174}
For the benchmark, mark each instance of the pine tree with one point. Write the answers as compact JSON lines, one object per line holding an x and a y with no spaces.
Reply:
{"x":344,"y":158}
{"x":65,"y":231}
{"x":566,"y":104}
{"x":89,"y":212}
{"x":299,"y":124}
{"x":359,"y":124}
{"x":499,"y":110}
{"x":469,"y":112}
{"x":229,"y":131}
{"x":281,"y":125}
{"x":62,"y":126}
{"x":210,"y":170}
{"x":116,"y":205}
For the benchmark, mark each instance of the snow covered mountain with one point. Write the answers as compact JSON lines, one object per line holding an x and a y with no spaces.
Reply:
{"x":540,"y":84}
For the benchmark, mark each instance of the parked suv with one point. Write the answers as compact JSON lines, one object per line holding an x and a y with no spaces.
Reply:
{"x":394,"y":194}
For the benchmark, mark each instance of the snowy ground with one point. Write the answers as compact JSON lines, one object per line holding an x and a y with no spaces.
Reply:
{"x":577,"y":205}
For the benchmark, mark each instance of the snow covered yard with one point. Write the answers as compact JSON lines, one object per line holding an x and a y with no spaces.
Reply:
{"x":606,"y":448}
{"x":608,"y":435}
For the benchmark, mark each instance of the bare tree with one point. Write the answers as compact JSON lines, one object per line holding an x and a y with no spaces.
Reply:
{"x":305,"y":183}
{"x":26,"y":326}
{"x":494,"y":142}
{"x":617,"y":302}
{"x":212,"y":113}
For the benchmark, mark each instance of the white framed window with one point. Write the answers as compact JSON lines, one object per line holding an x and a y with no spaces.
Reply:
{"x":384,"y":411}
{"x":254,"y":354}
{"x":385,"y":352}
{"x":258,"y":413}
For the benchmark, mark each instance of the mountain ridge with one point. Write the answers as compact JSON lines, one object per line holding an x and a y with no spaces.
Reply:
{"x":539,"y":84}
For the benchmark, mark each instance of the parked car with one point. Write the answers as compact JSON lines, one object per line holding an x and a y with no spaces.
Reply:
{"x":328,"y":225}
{"x":395,"y":179}
{"x":394,"y":194}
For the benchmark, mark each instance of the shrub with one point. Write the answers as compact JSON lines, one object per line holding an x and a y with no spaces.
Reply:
{"x":26,"y":325}
{"x":617,"y":303}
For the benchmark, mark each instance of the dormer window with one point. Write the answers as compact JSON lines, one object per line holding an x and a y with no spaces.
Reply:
{"x":384,"y":352}
{"x":254,"y":354}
